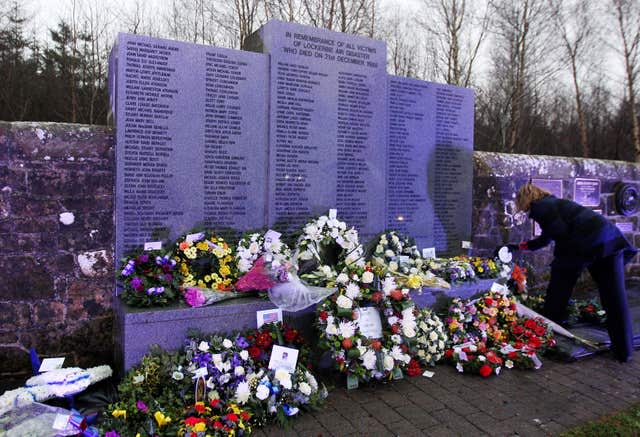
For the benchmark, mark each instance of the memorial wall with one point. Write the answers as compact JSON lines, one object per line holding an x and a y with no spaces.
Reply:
{"x":191,"y":126}
{"x":230,"y":139}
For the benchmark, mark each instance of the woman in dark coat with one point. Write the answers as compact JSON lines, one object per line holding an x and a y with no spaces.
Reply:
{"x":583,"y":239}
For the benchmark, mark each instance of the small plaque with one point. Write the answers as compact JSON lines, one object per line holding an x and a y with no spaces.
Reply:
{"x":428,"y":374}
{"x":268,"y":316}
{"x":192,"y":238}
{"x":554,"y":186}
{"x":586,"y":192}
{"x":51,"y":364}
{"x":283,"y":358}
{"x":466,"y":245}
{"x":369,"y":322}
{"x":429,"y":252}
{"x":352,"y":382}
{"x":333,"y":214}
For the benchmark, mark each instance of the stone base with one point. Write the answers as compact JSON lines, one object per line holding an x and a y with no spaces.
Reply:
{"x":136,"y":329}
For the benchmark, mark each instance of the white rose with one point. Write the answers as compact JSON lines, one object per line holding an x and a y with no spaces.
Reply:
{"x":347,"y":329}
{"x":262,"y":392}
{"x":379,"y":248}
{"x":367,"y":277}
{"x":217,"y":358}
{"x":178,"y":376}
{"x":396,"y":339}
{"x":326,"y":270}
{"x":254,"y":248}
{"x":433,"y":336}
{"x":508,"y":364}
{"x":243,"y":392}
{"x":244,"y":265}
{"x":389,"y":253}
{"x":388,"y":363}
{"x":304,"y":388}
{"x":244,"y":355}
{"x":342,"y":278}
{"x":239,"y":371}
{"x":284,"y":377}
{"x":344,"y":302}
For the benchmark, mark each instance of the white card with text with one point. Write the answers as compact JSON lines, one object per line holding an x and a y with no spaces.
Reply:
{"x":153,"y":245}
{"x":283,"y":358}
{"x":429,"y":252}
{"x":190,"y":238}
{"x":51,"y":364}
{"x":369,"y":322}
{"x":268,"y":316}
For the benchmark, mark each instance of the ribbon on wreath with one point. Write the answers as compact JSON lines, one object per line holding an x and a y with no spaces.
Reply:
{"x":79,"y":422}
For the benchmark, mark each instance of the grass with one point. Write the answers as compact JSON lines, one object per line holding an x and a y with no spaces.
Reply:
{"x":623,"y":423}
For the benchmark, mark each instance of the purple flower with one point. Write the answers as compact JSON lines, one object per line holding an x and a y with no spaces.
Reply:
{"x":129,"y":268}
{"x":142,"y":407}
{"x":155,"y":291}
{"x":242,"y":342}
{"x":194,"y":297}
{"x":168,"y":278}
{"x":142,"y":259}
{"x":136,"y":284}
{"x":112,"y":434}
{"x":202,"y":359}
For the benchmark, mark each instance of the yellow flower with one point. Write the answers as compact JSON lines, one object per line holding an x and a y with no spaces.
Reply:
{"x":161,"y":418}
{"x":218,"y":252}
{"x":191,"y":253}
{"x":207,"y":278}
{"x":199,"y":427}
{"x":453,"y":325}
{"x":225,"y":271}
{"x":138,"y":435}
{"x":120,"y":413}
{"x":414,"y":282}
{"x":480,"y":269}
{"x":202,"y":245}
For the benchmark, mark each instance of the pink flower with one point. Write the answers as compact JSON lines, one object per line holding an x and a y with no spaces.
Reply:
{"x":194,"y":297}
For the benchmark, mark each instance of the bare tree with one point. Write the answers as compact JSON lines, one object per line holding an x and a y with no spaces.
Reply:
{"x":406,"y":55}
{"x":627,"y":18}
{"x":575,"y":26}
{"x":459,"y":28}
{"x":347,"y":16}
{"x":522,"y":56}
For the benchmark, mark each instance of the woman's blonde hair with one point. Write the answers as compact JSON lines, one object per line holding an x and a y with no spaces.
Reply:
{"x":529,"y":193}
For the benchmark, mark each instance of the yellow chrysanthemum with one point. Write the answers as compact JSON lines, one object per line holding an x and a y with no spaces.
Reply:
{"x":199,"y":427}
{"x":161,"y":418}
{"x":202,"y":245}
{"x":120,"y":413}
{"x":414,"y":282}
{"x":225,"y":271}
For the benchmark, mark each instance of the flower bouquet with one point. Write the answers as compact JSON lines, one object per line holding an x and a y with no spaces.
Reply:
{"x":149,"y":279}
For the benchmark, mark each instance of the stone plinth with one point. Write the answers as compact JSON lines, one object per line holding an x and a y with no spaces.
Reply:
{"x":136,"y":329}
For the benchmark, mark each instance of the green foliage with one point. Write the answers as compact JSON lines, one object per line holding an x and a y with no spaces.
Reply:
{"x":624,"y":423}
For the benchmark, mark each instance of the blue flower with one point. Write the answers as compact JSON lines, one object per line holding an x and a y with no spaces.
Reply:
{"x":289,"y":410}
{"x":242,"y":342}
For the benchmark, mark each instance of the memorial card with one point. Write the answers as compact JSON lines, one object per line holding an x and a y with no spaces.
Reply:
{"x":369,"y":322}
{"x":268,"y":316}
{"x":586,"y":192}
{"x":283,"y":358}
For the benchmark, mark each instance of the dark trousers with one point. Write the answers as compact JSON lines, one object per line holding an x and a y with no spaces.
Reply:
{"x":608,"y":273}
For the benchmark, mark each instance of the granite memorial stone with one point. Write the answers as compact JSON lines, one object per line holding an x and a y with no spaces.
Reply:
{"x":327,"y":125}
{"x":429,"y":152}
{"x":191,"y":126}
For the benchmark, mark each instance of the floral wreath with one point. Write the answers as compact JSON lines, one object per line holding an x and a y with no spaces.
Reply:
{"x":431,"y":338}
{"x":353,"y":353}
{"x":149,"y":278}
{"x":206,"y":261}
{"x":253,"y":245}
{"x":486,"y":334}
{"x":325,"y":248}
{"x":396,"y":252}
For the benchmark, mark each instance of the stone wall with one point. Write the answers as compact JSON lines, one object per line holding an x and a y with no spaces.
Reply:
{"x":497,"y":178}
{"x":57,"y":232}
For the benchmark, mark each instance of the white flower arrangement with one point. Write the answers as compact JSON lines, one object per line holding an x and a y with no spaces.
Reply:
{"x":431,"y":337}
{"x":253,"y":246}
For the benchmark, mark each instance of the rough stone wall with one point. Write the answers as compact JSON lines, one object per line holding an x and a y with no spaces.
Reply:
{"x":56,"y":234}
{"x":497,"y":178}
